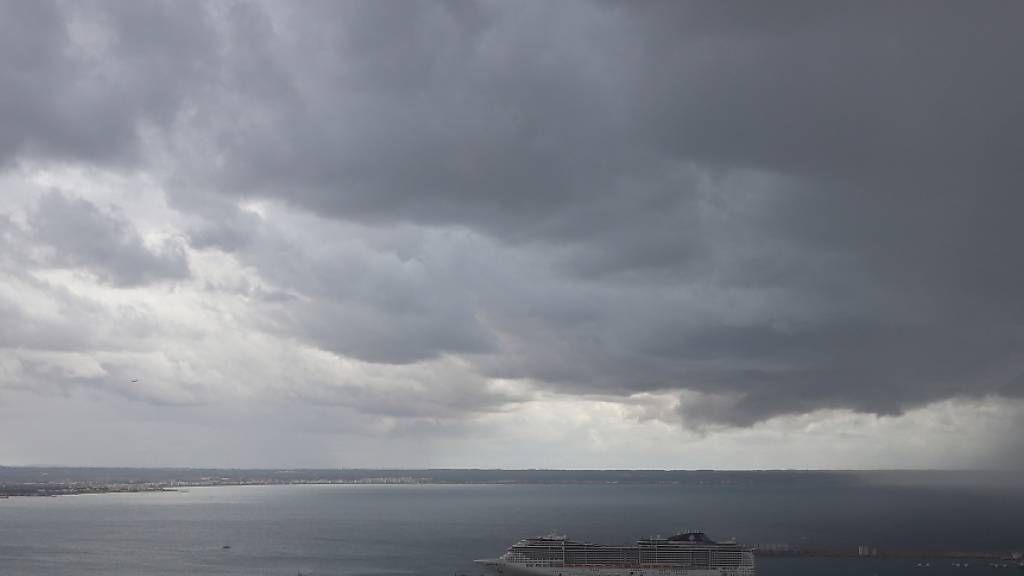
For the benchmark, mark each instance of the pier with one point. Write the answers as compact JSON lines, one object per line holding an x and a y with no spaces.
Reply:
{"x":777,"y":550}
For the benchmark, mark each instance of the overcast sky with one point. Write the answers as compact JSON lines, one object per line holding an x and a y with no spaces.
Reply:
{"x":515,"y":234}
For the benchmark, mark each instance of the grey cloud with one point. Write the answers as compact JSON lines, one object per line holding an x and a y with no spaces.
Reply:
{"x":795,"y":207}
{"x":434,"y":396}
{"x":383,"y":336}
{"x":79,"y":234}
{"x":390,"y":296}
{"x":21,"y":329}
{"x":81,"y":80}
{"x":865,"y":366}
{"x":54,"y":342}
{"x":47,"y":376}
{"x":56,"y":320}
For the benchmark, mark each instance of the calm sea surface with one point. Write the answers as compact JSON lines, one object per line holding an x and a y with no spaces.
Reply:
{"x":438,"y":530}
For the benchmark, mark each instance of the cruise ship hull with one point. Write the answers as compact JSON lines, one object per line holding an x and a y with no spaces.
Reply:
{"x":684,"y":554}
{"x":505,"y":569}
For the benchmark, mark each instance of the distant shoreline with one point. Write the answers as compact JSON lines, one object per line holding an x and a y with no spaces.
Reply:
{"x":54,"y":489}
{"x":61,"y":481}
{"x":57,"y":489}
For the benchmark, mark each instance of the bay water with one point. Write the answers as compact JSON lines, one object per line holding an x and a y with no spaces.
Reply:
{"x":437,"y":530}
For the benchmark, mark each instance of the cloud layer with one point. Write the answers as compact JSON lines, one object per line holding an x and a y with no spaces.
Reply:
{"x":431,"y":215}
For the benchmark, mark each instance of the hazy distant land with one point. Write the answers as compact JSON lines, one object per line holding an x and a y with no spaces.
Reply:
{"x":56,"y":481}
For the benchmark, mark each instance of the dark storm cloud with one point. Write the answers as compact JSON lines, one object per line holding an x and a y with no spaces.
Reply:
{"x":435,"y":113}
{"x":78,"y":234}
{"x":876,"y":93}
{"x":790,"y":206}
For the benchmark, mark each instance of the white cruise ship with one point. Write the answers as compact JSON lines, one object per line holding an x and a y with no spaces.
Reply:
{"x":685,"y":554}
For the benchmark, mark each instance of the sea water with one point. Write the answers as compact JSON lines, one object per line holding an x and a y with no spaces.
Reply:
{"x":437,"y":530}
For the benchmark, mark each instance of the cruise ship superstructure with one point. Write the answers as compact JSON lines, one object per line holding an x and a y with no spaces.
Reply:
{"x":685,"y":554}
